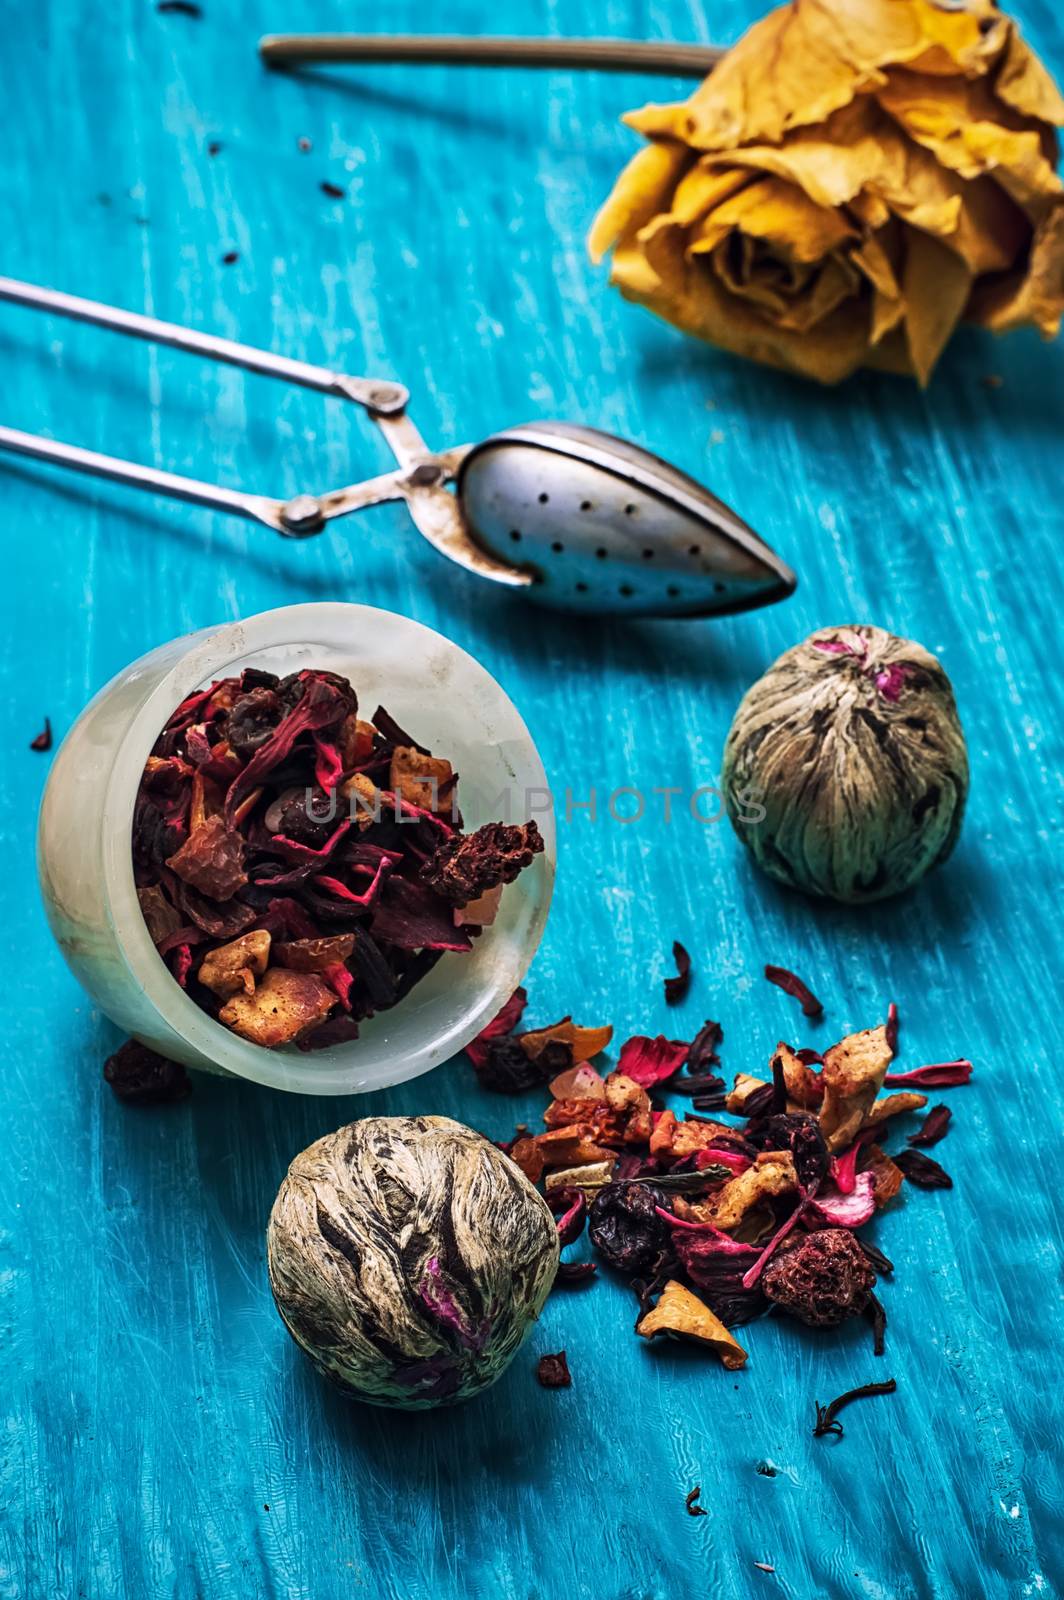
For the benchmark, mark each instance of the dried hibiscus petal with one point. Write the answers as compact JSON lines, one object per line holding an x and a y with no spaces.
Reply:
{"x":651,"y":1061}
{"x":791,"y":984}
{"x":936,"y":1075}
{"x":922,"y":1171}
{"x":935,"y":1126}
{"x":505,"y":1021}
{"x":676,"y":988}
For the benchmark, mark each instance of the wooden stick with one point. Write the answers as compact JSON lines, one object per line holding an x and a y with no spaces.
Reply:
{"x":607,"y":55}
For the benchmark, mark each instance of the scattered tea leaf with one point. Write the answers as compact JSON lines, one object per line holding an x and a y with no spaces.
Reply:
{"x":333,"y":190}
{"x":230,"y":257}
{"x":179,"y":8}
{"x":691,"y":1502}
{"x":43,"y":740}
{"x":877,"y":1316}
{"x":826,"y":1416}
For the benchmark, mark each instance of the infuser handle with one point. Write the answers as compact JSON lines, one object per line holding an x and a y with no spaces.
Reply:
{"x":378,"y":395}
{"x":256,"y":507}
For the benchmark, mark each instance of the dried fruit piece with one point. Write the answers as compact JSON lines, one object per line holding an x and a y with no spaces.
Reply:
{"x":852,"y":1075}
{"x":141,"y":1077}
{"x":626,"y":1226}
{"x":772,"y":1174}
{"x":422,"y":779}
{"x":233,"y":968}
{"x":684,"y":1315}
{"x":804,"y":1086}
{"x":465,"y":865}
{"x":821,"y":1279}
{"x":894,"y":1105}
{"x":583,"y":1042}
{"x":211,"y":860}
{"x":315,"y":955}
{"x":591,"y":1177}
{"x":284,"y":1006}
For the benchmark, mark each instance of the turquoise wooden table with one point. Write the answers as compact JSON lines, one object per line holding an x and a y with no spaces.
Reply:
{"x":161,"y":1436}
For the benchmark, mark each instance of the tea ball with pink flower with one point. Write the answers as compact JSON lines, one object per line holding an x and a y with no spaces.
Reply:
{"x":409,"y":1257}
{"x":846,"y":769}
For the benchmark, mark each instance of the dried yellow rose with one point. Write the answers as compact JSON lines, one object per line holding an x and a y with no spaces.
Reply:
{"x":849,"y":183}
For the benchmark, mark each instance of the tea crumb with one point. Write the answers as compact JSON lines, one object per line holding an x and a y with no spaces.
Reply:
{"x":553,"y":1371}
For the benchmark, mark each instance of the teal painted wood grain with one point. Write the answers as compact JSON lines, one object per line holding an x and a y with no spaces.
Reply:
{"x":160,"y":1435}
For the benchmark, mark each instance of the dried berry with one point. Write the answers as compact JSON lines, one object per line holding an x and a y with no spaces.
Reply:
{"x":626,"y":1227}
{"x":464,"y":867}
{"x":821,"y":1279}
{"x":140,"y":1077}
{"x":553,"y":1371}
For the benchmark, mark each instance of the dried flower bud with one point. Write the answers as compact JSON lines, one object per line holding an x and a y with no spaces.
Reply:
{"x":851,"y":749}
{"x":409,"y":1258}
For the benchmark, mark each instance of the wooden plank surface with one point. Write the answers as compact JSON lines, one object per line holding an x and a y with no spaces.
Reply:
{"x":161,"y":1436}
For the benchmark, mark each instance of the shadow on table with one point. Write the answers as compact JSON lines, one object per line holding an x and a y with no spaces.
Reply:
{"x":414,"y":106}
{"x":1015,"y":385}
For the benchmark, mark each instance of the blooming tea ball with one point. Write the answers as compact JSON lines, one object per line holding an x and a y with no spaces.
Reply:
{"x":409,"y":1258}
{"x":845,"y":770}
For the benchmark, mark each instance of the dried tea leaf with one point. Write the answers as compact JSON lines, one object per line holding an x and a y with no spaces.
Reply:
{"x":684,"y":1315}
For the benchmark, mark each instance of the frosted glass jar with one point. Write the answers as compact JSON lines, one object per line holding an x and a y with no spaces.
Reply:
{"x":430,"y":686}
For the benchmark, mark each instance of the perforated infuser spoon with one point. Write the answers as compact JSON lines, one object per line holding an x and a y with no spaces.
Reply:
{"x":572,"y":517}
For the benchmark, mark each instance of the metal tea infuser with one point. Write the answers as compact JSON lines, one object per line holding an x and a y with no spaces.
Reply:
{"x":572,"y":517}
